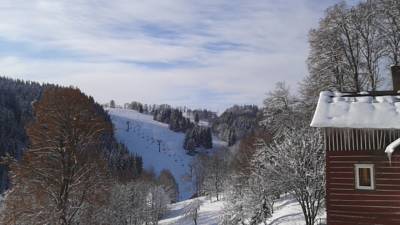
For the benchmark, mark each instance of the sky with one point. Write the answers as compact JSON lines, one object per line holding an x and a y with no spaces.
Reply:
{"x":202,"y":54}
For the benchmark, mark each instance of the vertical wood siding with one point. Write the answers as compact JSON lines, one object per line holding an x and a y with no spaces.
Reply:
{"x":346,"y":139}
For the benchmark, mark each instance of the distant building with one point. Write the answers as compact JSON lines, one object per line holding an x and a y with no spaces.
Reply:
{"x":362,"y":136}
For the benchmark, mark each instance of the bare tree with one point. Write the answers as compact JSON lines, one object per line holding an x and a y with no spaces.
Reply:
{"x":135,"y":203}
{"x":215,"y":175}
{"x":63,"y":174}
{"x":325,"y":61}
{"x":168,"y":182}
{"x":389,"y":25}
{"x":348,"y":49}
{"x":197,"y":174}
{"x":192,"y":210}
{"x":281,"y":110}
{"x":372,"y":45}
{"x":341,"y":20}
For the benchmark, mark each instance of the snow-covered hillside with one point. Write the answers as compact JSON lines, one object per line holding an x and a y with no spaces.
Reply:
{"x":160,"y":147}
{"x":287,"y":212}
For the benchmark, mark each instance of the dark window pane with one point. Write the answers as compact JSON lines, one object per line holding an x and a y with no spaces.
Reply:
{"x":364,"y":175}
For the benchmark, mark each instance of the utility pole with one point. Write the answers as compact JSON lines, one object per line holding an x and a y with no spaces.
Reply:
{"x":159,"y":145}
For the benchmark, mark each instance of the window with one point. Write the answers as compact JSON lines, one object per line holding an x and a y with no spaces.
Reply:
{"x":365,"y":176}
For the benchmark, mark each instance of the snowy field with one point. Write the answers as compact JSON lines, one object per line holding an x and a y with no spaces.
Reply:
{"x":160,"y":147}
{"x":287,"y":212}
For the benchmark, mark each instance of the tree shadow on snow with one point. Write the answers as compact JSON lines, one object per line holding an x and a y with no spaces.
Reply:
{"x":209,"y":218}
{"x":287,"y":200}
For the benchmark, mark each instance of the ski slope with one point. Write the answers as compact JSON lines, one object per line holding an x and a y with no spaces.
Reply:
{"x":287,"y":211}
{"x":160,"y":147}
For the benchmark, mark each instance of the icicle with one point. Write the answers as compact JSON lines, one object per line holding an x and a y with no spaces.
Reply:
{"x":389,"y":155}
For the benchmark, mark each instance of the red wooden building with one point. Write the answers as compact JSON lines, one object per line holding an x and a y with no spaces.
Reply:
{"x":362,"y":132}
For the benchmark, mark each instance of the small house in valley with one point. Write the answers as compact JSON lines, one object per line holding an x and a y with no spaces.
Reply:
{"x":362,"y":142}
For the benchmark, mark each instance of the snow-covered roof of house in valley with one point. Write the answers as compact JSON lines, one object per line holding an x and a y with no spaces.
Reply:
{"x":361,"y":110}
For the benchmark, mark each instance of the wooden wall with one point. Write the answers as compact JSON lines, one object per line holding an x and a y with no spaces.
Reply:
{"x":348,"y":206}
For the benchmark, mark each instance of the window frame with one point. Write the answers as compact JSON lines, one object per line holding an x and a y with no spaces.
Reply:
{"x":357,"y":176}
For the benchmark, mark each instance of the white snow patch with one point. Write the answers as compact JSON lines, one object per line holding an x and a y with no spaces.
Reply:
{"x":287,"y":212}
{"x":391,"y":148}
{"x":143,"y":138}
{"x":201,"y":122}
{"x":336,"y":110}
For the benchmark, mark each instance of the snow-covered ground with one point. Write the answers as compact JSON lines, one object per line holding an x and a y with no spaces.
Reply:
{"x":209,"y":213}
{"x":160,"y":147}
{"x":287,"y":212}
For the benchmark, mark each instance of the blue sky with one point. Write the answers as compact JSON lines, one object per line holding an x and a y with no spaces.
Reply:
{"x":203,"y":54}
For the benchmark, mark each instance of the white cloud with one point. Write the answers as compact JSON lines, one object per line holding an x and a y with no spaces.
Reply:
{"x":270,"y":40}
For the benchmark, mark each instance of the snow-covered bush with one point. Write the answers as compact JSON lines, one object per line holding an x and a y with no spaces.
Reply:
{"x":138,"y":202}
{"x":242,"y":195}
{"x":297,"y":165}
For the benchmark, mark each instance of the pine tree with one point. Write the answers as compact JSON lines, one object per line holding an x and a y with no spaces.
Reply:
{"x":112,"y":104}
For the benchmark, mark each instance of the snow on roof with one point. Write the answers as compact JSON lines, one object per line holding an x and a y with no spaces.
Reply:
{"x":391,"y":148}
{"x":342,"y":110}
